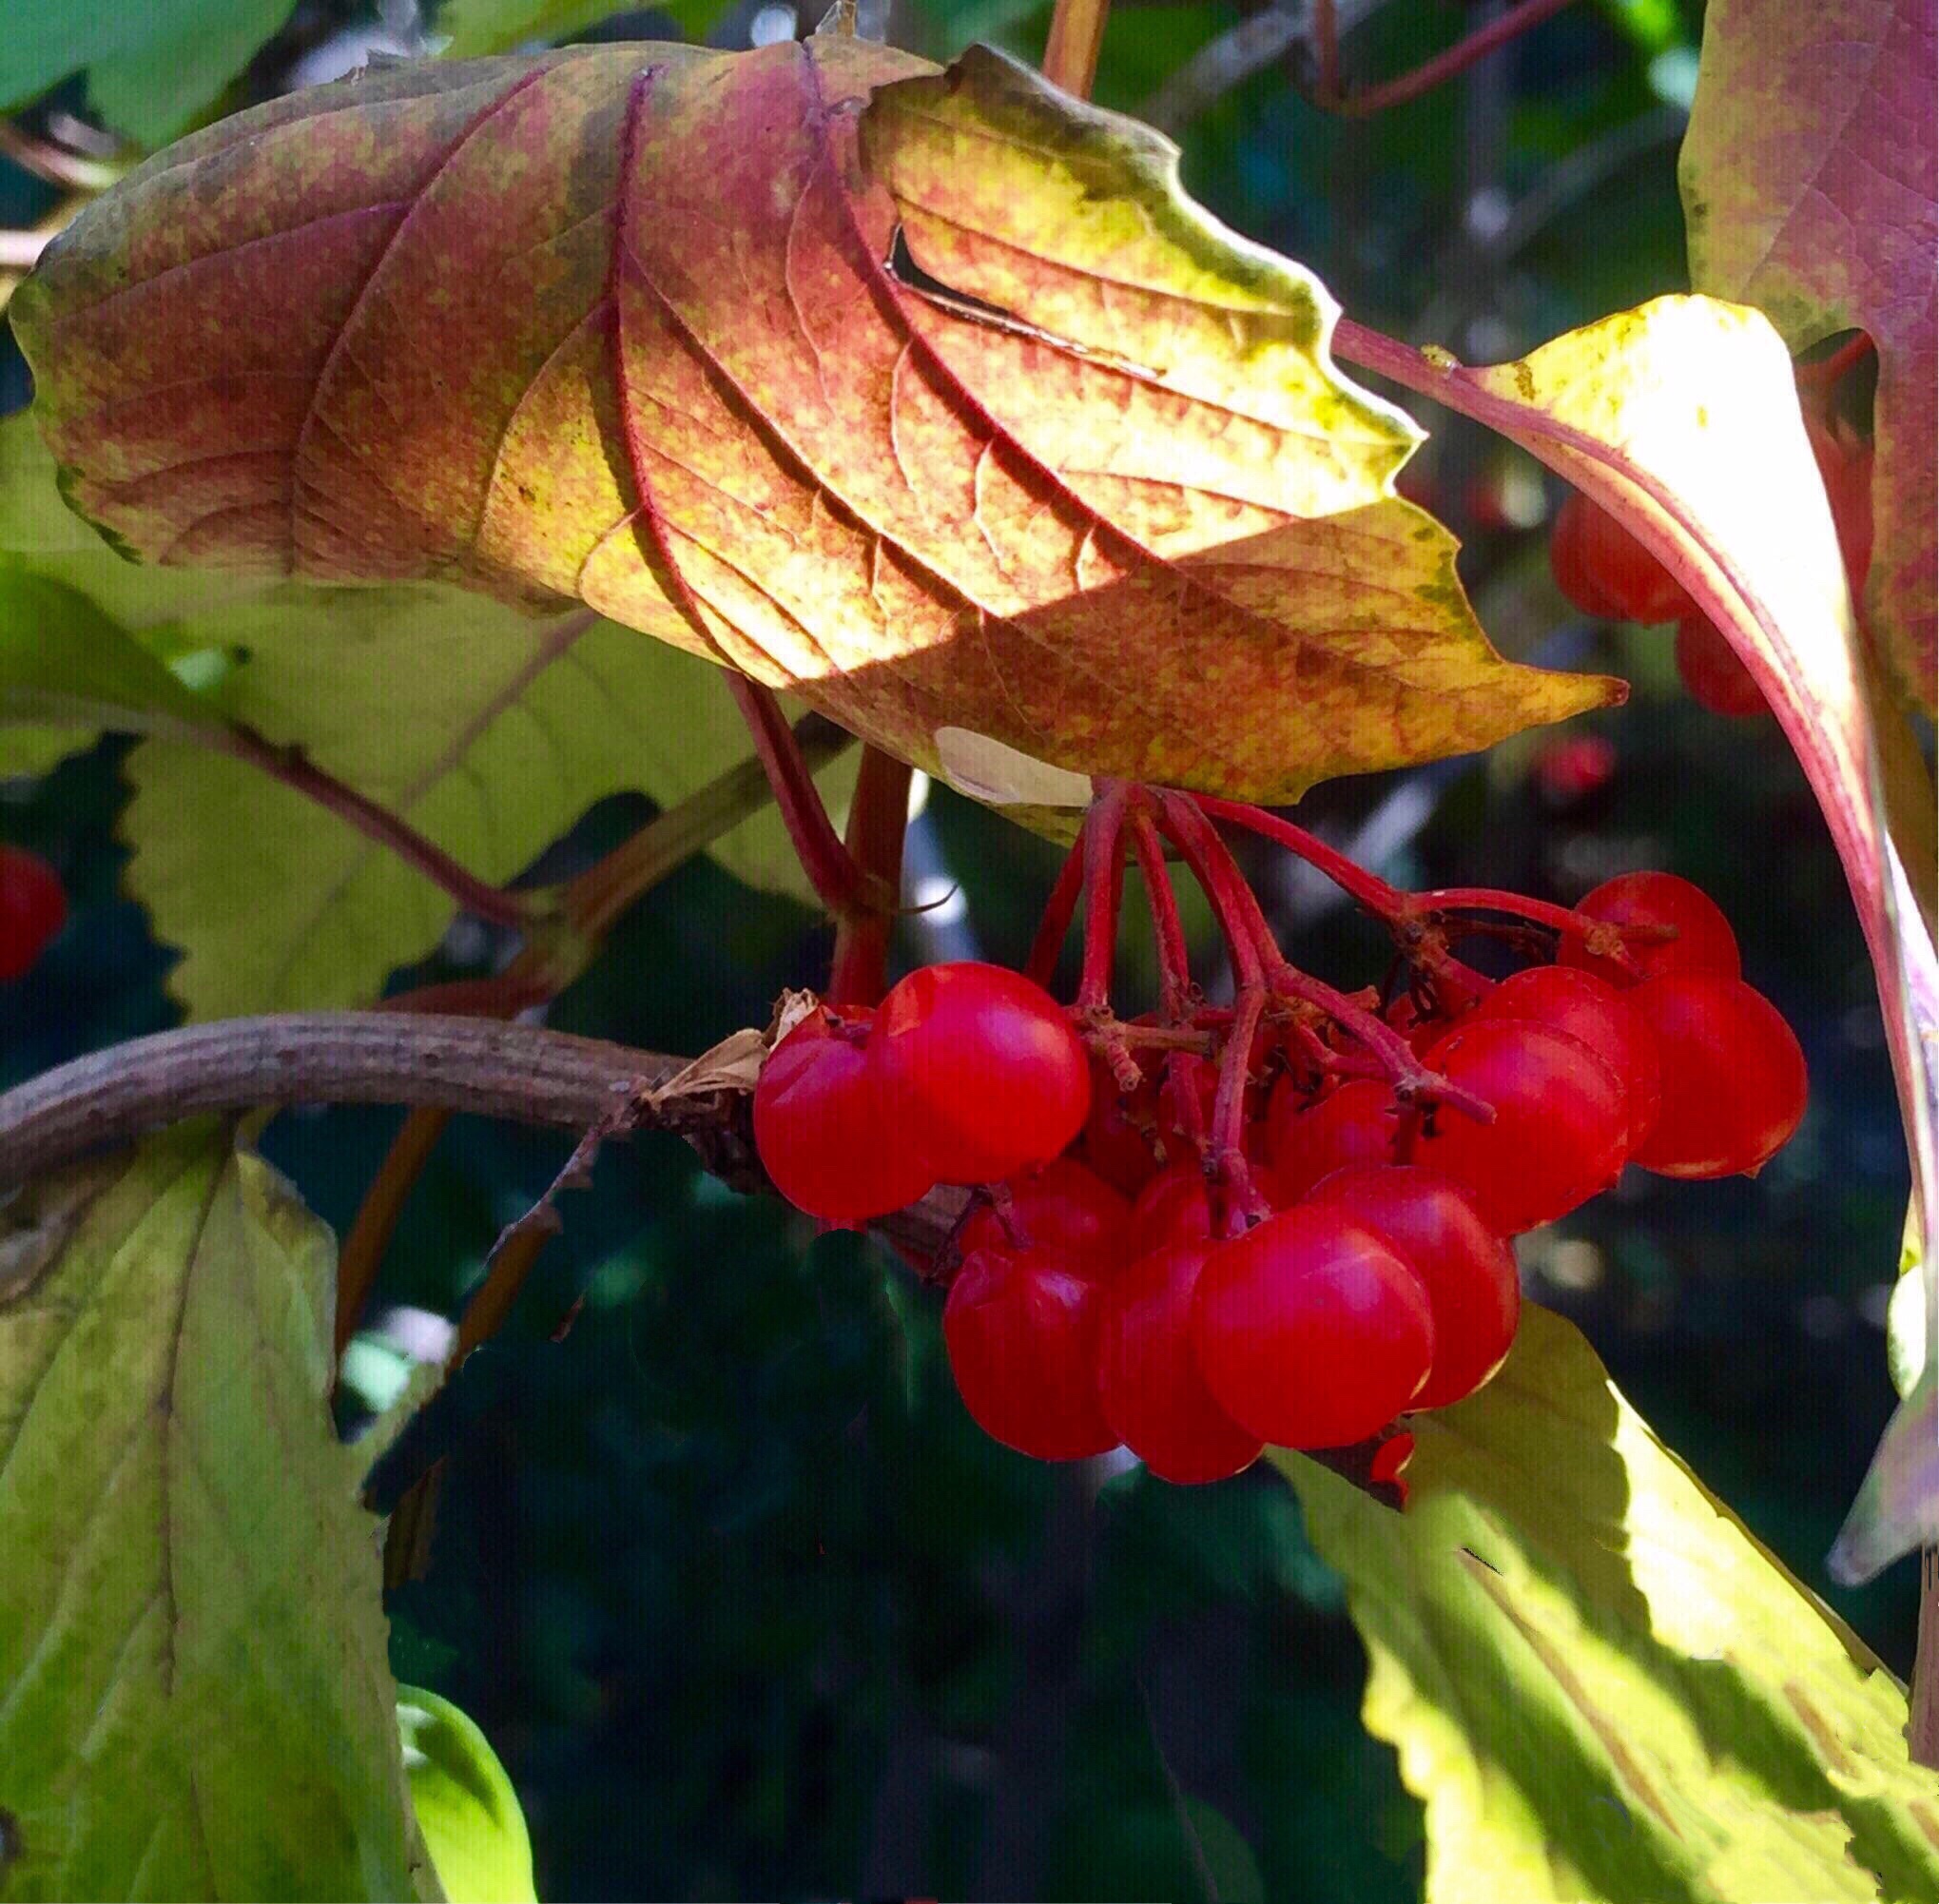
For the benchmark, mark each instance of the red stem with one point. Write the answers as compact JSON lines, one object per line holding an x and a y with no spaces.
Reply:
{"x":1457,"y":58}
{"x":1103,"y":893}
{"x":878,"y":818}
{"x":1324,"y":28}
{"x":839,"y":883}
{"x":1389,"y":903}
{"x":1175,"y":966}
{"x":1059,"y":910}
{"x":1821,"y":373}
{"x":294,"y":768}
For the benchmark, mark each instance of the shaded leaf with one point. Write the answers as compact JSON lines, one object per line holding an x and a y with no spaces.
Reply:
{"x":1809,"y":177}
{"x":197,"y":1700}
{"x":465,"y":1805}
{"x":1134,"y":523}
{"x":1600,"y":1684}
{"x":152,"y":69}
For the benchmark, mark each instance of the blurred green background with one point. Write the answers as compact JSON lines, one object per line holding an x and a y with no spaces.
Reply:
{"x":745,"y":1603}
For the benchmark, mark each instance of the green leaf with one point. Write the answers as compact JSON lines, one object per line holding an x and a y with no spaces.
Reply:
{"x":197,"y":1701}
{"x":465,"y":1804}
{"x":1137,"y":524}
{"x":490,"y":730}
{"x":1600,"y":1684}
{"x":477,"y":26}
{"x":153,"y":68}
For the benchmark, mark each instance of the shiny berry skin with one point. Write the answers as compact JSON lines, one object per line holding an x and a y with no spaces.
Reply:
{"x":1605,"y":570}
{"x":33,"y":907}
{"x":1058,"y":1206}
{"x":1310,"y":1331}
{"x":1734,"y":1078}
{"x":987,"y":1072}
{"x":1022,"y":1330}
{"x":1716,"y":678}
{"x":1355,"y":1123}
{"x":1560,"y":1130}
{"x":1704,"y":941}
{"x":1175,"y":1207}
{"x":826,"y":1130}
{"x":1583,"y":1005}
{"x":1469,"y":1272}
{"x":1147,"y":1379}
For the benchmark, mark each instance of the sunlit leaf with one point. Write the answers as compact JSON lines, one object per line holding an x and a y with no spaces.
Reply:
{"x":1602,"y":1687}
{"x":1809,"y":188}
{"x":631,"y":326}
{"x":197,"y":1701}
{"x":466,"y":1807}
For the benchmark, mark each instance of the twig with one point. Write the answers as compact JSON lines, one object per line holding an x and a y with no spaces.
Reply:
{"x":1070,"y":54}
{"x":1059,"y":910}
{"x":21,"y":250}
{"x":1443,"y":67}
{"x":1922,"y":1721}
{"x":54,"y":165}
{"x":368,"y":1240}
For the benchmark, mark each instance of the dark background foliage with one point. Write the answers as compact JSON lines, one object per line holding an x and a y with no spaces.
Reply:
{"x":746,"y":1603}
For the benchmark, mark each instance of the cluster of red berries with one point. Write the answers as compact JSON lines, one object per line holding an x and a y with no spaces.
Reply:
{"x":1605,"y":572}
{"x":1116,"y":1286}
{"x":34,"y":908}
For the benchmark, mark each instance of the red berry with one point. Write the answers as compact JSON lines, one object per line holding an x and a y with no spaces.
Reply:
{"x":1558,"y":1131}
{"x":825,"y":1128}
{"x":1605,"y":570}
{"x":1572,"y":768}
{"x":1390,"y":1459}
{"x":1310,"y":1331}
{"x":1305,"y":1141}
{"x":1058,"y":1206}
{"x":1147,"y":1379}
{"x":1734,"y":1078}
{"x":1469,"y":1272}
{"x":1022,"y":1331}
{"x":1115,"y":1144}
{"x":988,"y":1073}
{"x":1175,"y":1207}
{"x":1704,"y":941}
{"x":33,"y":907}
{"x":1712,"y":673}
{"x":1586,"y":1008}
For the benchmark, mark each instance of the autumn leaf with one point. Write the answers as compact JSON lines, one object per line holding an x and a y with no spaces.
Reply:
{"x":937,"y":401}
{"x":1809,"y":188}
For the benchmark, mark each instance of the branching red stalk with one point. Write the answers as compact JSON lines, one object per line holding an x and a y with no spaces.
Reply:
{"x":1103,"y":893}
{"x":878,"y":818}
{"x":839,"y":883}
{"x":1175,"y":966}
{"x":1606,"y":940}
{"x":1387,"y":904}
{"x":1059,"y":910}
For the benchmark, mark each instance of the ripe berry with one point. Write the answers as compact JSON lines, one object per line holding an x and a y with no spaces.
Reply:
{"x":1580,"y":1004}
{"x":1559,"y":1127}
{"x":1712,"y":673}
{"x":1311,"y":1333}
{"x":1022,"y":1330}
{"x":1469,"y":1272}
{"x":988,"y":1074}
{"x":33,"y":907}
{"x":1175,"y":1207}
{"x":1605,"y":570}
{"x":1058,"y":1206}
{"x":1704,"y":941}
{"x":1305,"y":1141}
{"x":1734,"y":1078}
{"x":825,"y":1128}
{"x":1147,"y":1379}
